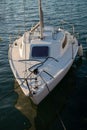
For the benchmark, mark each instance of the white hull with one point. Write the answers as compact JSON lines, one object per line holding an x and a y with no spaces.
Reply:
{"x":52,"y":85}
{"x":50,"y":72}
{"x":41,"y":57}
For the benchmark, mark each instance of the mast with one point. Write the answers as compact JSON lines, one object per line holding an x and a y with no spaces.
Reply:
{"x":41,"y":19}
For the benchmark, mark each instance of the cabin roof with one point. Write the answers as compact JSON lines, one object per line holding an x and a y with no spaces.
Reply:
{"x":50,"y":35}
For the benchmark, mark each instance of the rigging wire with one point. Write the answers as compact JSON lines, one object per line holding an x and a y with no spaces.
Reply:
{"x":25,"y":72}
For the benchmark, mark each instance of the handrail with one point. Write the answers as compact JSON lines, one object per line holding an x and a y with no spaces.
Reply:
{"x":48,"y":73}
{"x":70,"y":24}
{"x":38,"y":74}
{"x":40,"y":64}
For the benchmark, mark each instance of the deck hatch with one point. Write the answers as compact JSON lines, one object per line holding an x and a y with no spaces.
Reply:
{"x":40,"y":51}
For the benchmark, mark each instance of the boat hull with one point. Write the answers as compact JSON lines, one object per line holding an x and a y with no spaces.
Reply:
{"x":54,"y":83}
{"x":38,"y":97}
{"x":52,"y":69}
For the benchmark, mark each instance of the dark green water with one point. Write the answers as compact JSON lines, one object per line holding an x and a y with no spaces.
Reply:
{"x":66,"y":106}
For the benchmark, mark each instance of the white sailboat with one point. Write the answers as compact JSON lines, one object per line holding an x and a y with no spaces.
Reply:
{"x":41,"y":58}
